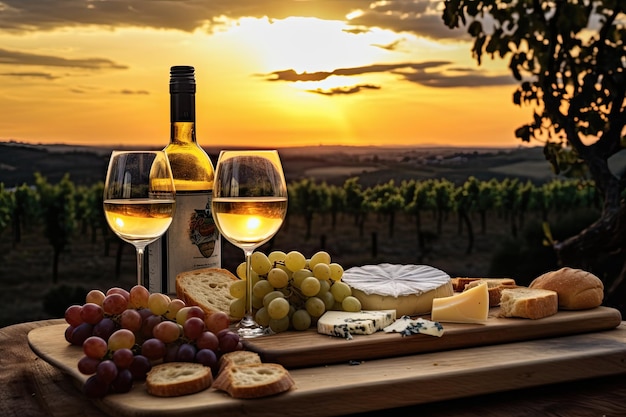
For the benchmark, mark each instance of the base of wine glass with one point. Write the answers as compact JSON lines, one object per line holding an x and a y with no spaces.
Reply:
{"x":248,"y":328}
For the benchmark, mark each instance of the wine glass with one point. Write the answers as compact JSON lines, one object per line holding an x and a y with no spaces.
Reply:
{"x":139,"y":198}
{"x":249,"y":205}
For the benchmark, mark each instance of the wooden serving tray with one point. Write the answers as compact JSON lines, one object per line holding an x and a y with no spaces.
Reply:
{"x":379,"y":384}
{"x":309,"y":348}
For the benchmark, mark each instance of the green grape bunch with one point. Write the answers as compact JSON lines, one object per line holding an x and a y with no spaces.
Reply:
{"x":290,"y":292}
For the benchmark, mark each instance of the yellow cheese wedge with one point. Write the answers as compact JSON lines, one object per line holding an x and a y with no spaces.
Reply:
{"x":470,"y":306}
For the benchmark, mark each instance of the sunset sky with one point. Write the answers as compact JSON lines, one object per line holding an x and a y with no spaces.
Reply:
{"x":270,"y":73}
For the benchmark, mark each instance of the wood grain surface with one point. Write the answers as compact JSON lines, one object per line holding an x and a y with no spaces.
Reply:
{"x":429,"y":380}
{"x":308,"y":348}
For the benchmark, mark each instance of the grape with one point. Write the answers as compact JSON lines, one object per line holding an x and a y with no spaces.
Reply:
{"x":208,"y":340}
{"x":120,"y":291}
{"x":195,"y":311}
{"x":168,"y":331}
{"x":228,"y":342}
{"x":294,"y":261}
{"x":300,"y":275}
{"x":138,"y":296}
{"x":279,"y":325}
{"x":171,"y":352}
{"x":310,"y":286}
{"x":140,"y":367}
{"x":315,"y":306}
{"x":328,"y":299}
{"x":207,"y":357}
{"x":91,"y":313}
{"x":95,"y":296}
{"x":152,"y":349}
{"x":260,"y":263}
{"x":104,"y":328}
{"x":95,"y":347}
{"x":131,"y":320}
{"x":277,"y":277}
{"x":122,"y":338}
{"x":238,"y":289}
{"x":192,"y":329}
{"x":351,"y":303}
{"x":321,"y":271}
{"x":270,"y":296}
{"x":81,"y":333}
{"x":324,"y":287}
{"x":73,"y":316}
{"x":68,"y":333}
{"x":241,"y":271}
{"x":95,"y":388}
{"x":301,"y":320}
{"x":186,"y":353}
{"x":238,"y":307}
{"x":123,"y":382}
{"x":106,"y":371}
{"x":114,"y":303}
{"x":319,"y":257}
{"x":336,"y":271}
{"x":148,"y":325}
{"x":278,"y":308}
{"x":87,"y":365}
{"x":262,"y":317}
{"x":173,"y":308}
{"x":158,"y":303}
{"x":340,"y":290}
{"x":262,"y":288}
{"x":123,"y":358}
{"x":276,"y":256}
{"x":217,"y":321}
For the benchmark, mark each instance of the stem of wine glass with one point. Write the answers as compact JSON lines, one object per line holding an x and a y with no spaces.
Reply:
{"x":139,"y":265}
{"x":248,"y":327}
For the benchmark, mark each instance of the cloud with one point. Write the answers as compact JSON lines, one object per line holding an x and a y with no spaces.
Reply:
{"x":23,"y":58}
{"x":132,"y":92}
{"x":41,"y":75}
{"x":344,"y":90}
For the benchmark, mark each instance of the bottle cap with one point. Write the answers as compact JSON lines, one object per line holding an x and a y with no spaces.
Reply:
{"x":182,"y":79}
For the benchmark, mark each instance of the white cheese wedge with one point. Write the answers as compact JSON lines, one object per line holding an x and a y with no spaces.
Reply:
{"x":345,"y":324}
{"x":407,"y":326}
{"x":408,"y":289}
{"x":470,"y":306}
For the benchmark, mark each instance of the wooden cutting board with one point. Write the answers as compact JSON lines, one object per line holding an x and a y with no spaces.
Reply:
{"x":309,"y":348}
{"x":392,"y":382}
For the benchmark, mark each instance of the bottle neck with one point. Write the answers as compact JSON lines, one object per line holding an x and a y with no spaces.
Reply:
{"x":182,"y":117}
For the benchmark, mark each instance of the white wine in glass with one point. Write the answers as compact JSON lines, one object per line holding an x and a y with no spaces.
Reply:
{"x":139,"y":198}
{"x":249,"y":205}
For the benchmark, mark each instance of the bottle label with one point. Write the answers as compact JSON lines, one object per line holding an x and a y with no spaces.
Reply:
{"x":191,"y":242}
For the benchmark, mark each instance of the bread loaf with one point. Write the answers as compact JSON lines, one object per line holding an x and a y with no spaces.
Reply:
{"x":254,"y":380}
{"x":238,"y":357}
{"x":494,"y":288}
{"x":530,"y":303}
{"x":576,"y":289}
{"x":174,"y":379}
{"x":207,"y":288}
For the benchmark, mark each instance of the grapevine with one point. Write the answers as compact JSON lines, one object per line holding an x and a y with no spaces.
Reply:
{"x":290,"y":292}
{"x":124,"y":333}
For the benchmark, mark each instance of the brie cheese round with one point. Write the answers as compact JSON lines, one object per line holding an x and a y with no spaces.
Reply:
{"x":408,"y":289}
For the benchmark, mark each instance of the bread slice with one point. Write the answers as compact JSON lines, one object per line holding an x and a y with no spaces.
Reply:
{"x":207,"y":288}
{"x":254,"y":380}
{"x":530,"y":303}
{"x":173,"y":379}
{"x":494,"y":288}
{"x":238,"y":357}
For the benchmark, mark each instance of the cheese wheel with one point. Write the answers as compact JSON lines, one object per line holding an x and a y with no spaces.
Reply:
{"x":408,"y":289}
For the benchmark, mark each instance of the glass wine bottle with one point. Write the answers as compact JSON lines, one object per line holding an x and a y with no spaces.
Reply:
{"x":192,"y":241}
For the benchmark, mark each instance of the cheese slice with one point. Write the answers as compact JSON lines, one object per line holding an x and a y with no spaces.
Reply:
{"x":345,"y":324}
{"x":407,"y":326}
{"x":470,"y":306}
{"x":408,"y":289}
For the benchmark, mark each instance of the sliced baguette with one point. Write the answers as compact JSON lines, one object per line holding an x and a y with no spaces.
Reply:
{"x":173,"y":379}
{"x":530,"y":303}
{"x":254,"y":380}
{"x":207,"y":288}
{"x":238,"y":357}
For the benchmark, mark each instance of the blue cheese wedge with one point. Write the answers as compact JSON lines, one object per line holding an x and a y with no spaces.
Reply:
{"x":407,"y":326}
{"x":345,"y":324}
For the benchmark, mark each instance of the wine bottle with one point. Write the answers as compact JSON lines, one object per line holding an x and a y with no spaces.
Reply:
{"x":193,"y":240}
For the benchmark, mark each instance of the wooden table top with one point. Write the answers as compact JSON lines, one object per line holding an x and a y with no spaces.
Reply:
{"x":32,"y":387}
